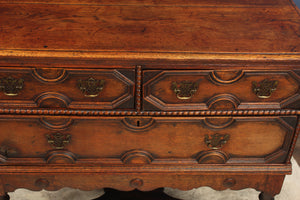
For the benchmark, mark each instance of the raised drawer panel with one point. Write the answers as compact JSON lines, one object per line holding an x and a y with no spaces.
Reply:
{"x":219,"y":90}
{"x":72,"y":88}
{"x":147,"y":140}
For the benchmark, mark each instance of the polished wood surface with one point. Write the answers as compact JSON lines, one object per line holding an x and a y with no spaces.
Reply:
{"x":59,"y":88}
{"x":180,"y":140}
{"x":141,"y":95}
{"x":214,"y":86}
{"x":199,"y":26}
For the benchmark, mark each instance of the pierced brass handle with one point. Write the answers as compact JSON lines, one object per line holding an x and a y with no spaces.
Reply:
{"x":185,"y":89}
{"x":265,"y":88}
{"x":58,"y":140}
{"x":11,"y":86}
{"x":91,"y":87}
{"x":216,"y":141}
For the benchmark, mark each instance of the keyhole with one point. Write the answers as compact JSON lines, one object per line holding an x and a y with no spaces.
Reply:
{"x":138,"y":123}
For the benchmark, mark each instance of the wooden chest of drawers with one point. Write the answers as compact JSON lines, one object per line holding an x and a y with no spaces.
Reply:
{"x":146,"y":94}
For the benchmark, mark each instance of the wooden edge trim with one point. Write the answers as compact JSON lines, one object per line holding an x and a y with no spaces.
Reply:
{"x":203,"y":168}
{"x":69,"y":112}
{"x":280,"y":56}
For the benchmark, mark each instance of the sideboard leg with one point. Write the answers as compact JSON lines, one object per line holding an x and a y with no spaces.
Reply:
{"x":265,"y":196}
{"x":4,"y":197}
{"x":158,"y":194}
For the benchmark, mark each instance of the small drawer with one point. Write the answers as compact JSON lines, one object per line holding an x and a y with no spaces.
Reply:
{"x":68,"y":88}
{"x":172,"y":90}
{"x":142,"y":140}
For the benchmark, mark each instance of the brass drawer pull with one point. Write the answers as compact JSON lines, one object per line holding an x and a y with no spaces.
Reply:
{"x":185,"y":89}
{"x":264,"y":88}
{"x":11,"y":86}
{"x":58,"y":140}
{"x":91,"y":87}
{"x":216,"y":141}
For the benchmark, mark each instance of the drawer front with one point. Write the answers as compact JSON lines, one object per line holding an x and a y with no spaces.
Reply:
{"x":72,"y":88}
{"x":148,"y":140}
{"x":220,"y":90}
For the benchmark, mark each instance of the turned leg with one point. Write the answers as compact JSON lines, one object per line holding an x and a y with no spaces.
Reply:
{"x":265,"y":196}
{"x":4,"y":197}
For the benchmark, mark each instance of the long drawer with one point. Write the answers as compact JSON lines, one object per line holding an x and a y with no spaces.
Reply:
{"x":143,"y":140}
{"x":67,"y":88}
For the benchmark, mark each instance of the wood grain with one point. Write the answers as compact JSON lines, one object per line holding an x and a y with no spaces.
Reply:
{"x":158,"y":90}
{"x":266,"y":139}
{"x":137,"y":134}
{"x":52,"y":92}
{"x":56,"y":27}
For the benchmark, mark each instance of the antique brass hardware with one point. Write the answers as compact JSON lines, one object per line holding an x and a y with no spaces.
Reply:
{"x":264,"y":88}
{"x":11,"y":86}
{"x":216,"y":141}
{"x":58,"y":140}
{"x":91,"y":87}
{"x":185,"y":89}
{"x":7,"y":151}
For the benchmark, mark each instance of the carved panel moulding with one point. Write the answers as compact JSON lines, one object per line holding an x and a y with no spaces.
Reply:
{"x":218,"y":122}
{"x":138,"y":123}
{"x":52,"y":100}
{"x":223,"y":102}
{"x":212,"y":157}
{"x":137,"y":157}
{"x":160,"y":87}
{"x":60,"y":157}
{"x":56,"y":123}
{"x":50,"y":75}
{"x":226,"y":77}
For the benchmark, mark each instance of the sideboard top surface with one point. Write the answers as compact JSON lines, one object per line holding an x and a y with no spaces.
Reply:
{"x":99,"y":28}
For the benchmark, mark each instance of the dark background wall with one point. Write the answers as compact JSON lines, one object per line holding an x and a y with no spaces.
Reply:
{"x":297,"y":3}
